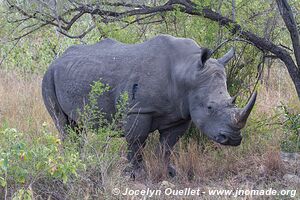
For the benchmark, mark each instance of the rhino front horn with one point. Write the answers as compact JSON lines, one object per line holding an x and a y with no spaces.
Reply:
{"x":245,"y":112}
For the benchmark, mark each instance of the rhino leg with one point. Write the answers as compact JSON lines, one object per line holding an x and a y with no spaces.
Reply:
{"x":168,"y":138}
{"x":51,"y":102}
{"x":137,"y":129}
{"x":60,"y":120}
{"x":59,"y":117}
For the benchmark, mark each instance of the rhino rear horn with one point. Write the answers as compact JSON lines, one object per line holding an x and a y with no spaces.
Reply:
{"x":227,"y":57}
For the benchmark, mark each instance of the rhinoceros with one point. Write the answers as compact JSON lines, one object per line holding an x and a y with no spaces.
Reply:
{"x":170,"y":81}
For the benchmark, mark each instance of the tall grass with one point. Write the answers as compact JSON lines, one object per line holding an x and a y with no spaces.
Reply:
{"x":21,"y":104}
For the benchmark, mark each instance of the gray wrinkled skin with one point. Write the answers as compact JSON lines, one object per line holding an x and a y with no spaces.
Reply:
{"x":170,"y":81}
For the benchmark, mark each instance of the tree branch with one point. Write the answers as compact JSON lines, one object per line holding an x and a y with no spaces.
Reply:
{"x":80,"y":36}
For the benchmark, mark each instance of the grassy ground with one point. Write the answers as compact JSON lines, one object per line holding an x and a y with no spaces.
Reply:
{"x":256,"y":164}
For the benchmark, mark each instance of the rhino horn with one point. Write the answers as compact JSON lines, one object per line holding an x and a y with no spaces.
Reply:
{"x":227,"y":57}
{"x":233,"y":99}
{"x":245,"y":112}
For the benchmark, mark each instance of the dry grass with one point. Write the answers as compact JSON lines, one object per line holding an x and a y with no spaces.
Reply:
{"x":277,"y":88}
{"x":21,"y":104}
{"x":272,"y":162}
{"x":254,"y":164}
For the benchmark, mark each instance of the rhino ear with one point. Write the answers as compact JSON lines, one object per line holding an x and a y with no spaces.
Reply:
{"x":227,"y":57}
{"x":205,"y":55}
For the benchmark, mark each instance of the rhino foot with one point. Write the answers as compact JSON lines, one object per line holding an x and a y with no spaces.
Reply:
{"x":135,"y":172}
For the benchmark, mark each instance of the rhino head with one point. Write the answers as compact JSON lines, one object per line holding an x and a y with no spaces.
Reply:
{"x":211,"y":107}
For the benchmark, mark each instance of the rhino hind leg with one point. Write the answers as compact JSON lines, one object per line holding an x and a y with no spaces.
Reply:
{"x":50,"y":100}
{"x":168,"y":138}
{"x":58,"y":116}
{"x":137,"y":129}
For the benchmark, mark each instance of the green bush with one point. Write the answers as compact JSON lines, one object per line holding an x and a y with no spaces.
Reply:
{"x":99,"y":139}
{"x":24,"y":160}
{"x":291,"y":131}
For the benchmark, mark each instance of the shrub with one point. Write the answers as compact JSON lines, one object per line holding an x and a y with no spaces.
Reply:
{"x":99,"y":139}
{"x":25,"y":161}
{"x":291,"y":131}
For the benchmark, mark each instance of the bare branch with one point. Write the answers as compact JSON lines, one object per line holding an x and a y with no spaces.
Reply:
{"x":233,"y":9}
{"x":5,"y":56}
{"x":73,"y":20}
{"x":29,"y":32}
{"x":77,"y":36}
{"x":286,"y":47}
{"x":34,"y":16}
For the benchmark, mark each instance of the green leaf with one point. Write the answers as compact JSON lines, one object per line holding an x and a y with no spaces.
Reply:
{"x":2,"y":182}
{"x":5,"y":164}
{"x":64,"y":178}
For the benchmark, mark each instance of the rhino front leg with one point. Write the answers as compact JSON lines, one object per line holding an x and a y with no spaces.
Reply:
{"x":137,"y":129}
{"x":168,"y":138}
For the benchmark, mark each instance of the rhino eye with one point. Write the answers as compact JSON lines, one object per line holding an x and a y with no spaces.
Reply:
{"x":210,"y":106}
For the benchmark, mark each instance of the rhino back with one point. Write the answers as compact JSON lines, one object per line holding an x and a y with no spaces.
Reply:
{"x":143,"y":70}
